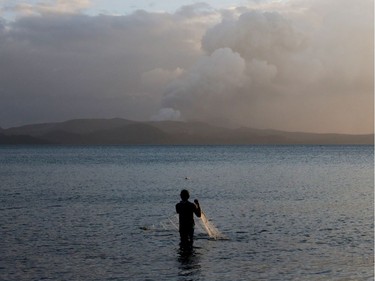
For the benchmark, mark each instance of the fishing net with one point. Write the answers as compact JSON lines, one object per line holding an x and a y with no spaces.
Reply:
{"x":204,"y":227}
{"x":210,"y":228}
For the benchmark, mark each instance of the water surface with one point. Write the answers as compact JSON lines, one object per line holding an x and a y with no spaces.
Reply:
{"x":103,"y":212}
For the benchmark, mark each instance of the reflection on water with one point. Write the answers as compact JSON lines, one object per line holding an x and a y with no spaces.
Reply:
{"x":189,"y":264}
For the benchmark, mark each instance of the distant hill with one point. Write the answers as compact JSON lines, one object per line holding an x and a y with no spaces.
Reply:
{"x":121,"y":131}
{"x":20,"y":139}
{"x":76,"y":126}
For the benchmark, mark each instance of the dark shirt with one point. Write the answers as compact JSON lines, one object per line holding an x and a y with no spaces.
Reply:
{"x":186,"y":211}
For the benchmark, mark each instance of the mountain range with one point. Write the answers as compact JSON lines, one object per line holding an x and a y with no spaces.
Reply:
{"x":119,"y":131}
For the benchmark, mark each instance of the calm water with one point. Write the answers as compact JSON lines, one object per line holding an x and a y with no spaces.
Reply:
{"x":102,"y":213}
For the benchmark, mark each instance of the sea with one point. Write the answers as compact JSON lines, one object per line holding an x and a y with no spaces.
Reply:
{"x":108,"y":212}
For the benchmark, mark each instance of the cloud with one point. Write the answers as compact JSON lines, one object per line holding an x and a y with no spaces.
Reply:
{"x":46,"y":7}
{"x":155,"y":80}
{"x":204,"y":91}
{"x":301,"y":65}
{"x":167,"y":113}
{"x":261,"y":71}
{"x":255,"y":34}
{"x":61,"y":66}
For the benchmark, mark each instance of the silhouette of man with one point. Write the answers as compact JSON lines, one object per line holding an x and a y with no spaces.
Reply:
{"x":186,"y":211}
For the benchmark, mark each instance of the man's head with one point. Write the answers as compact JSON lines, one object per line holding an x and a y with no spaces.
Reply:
{"x":184,"y":194}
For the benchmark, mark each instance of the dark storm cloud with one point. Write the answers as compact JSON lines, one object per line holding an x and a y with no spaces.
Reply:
{"x":58,"y":66}
{"x":294,"y":65}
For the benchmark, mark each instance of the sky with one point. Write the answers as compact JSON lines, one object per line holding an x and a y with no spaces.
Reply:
{"x":294,"y":65}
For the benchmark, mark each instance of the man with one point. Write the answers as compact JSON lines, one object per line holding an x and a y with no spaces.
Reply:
{"x":186,"y":211}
